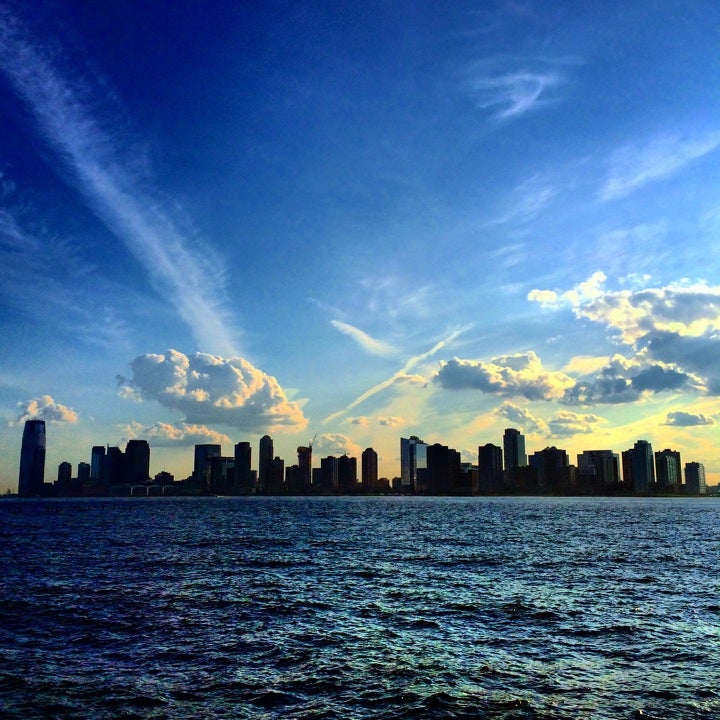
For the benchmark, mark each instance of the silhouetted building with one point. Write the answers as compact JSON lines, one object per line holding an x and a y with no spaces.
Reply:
{"x":137,"y":461}
{"x":201,"y":468}
{"x":97,"y":463}
{"x":668,"y":471}
{"x":114,"y":470}
{"x":64,"y":473}
{"x":490,"y":468}
{"x":31,"y":480}
{"x":369,"y":471}
{"x":276,"y":482}
{"x":638,"y":470}
{"x":83,"y":473}
{"x":347,"y":474}
{"x":514,"y":449}
{"x":413,"y":457}
{"x":244,"y":478}
{"x":265,"y":459}
{"x":221,"y":475}
{"x":550,"y":465}
{"x":305,"y":465}
{"x":599,"y":471}
{"x":329,"y":482}
{"x":695,"y":478}
{"x":442,"y":475}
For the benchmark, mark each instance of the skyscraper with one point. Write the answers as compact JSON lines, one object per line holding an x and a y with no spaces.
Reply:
{"x":97,"y":462}
{"x":668,"y":470}
{"x":32,"y":459}
{"x":695,"y":478}
{"x":638,"y":470}
{"x":201,"y":467}
{"x":243,"y":474}
{"x":265,"y":458}
{"x":490,"y":467}
{"x":369,"y":469}
{"x":514,"y":449}
{"x":305,"y":464}
{"x":137,"y":461}
{"x":413,"y":457}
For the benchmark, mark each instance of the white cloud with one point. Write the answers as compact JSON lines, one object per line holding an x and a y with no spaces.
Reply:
{"x":633,"y":166}
{"x":514,"y":93}
{"x":335,"y":444}
{"x":45,"y":408}
{"x":209,"y":389}
{"x":522,"y":417}
{"x":168,"y":435}
{"x":521,"y":374}
{"x":566,"y":422}
{"x":368,"y":344}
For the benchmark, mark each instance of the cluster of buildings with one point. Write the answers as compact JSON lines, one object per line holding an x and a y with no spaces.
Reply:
{"x":424,"y":470}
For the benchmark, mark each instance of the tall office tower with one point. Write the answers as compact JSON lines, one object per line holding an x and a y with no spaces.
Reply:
{"x":276,"y":479}
{"x":201,"y":466}
{"x":137,"y":461}
{"x":329,"y":474}
{"x":638,"y":470}
{"x":369,"y":471}
{"x":413,"y":457}
{"x":347,"y":473}
{"x":599,"y":470}
{"x":442,"y":474}
{"x":551,"y":464}
{"x":668,"y":470}
{"x":83,"y":475}
{"x":265,"y":458}
{"x":97,"y":462}
{"x":695,"y":478}
{"x":114,"y":468}
{"x":305,"y":465}
{"x":490,"y":468}
{"x":31,"y":479}
{"x":514,"y":449}
{"x":243,"y":473}
{"x":64,"y":473}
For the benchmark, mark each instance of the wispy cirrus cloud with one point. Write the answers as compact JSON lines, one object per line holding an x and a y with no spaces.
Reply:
{"x":116,"y":191}
{"x":513,"y":93}
{"x":369,"y":344}
{"x":401,"y":375}
{"x":635,"y":165}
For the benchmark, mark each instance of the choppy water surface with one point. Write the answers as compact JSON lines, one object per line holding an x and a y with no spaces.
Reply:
{"x":360,"y":608}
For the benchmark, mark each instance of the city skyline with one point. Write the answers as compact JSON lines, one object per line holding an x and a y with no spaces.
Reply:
{"x":423,"y":468}
{"x":359,"y":222}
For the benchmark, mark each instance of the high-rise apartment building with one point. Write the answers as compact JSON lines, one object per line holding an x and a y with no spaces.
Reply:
{"x":244,"y":481}
{"x":514,"y":449}
{"x":695,"y":483}
{"x":490,"y":467}
{"x":97,"y":463}
{"x":31,"y":479}
{"x":638,"y":468}
{"x":413,"y":457}
{"x":599,"y":470}
{"x":369,"y":472}
{"x":668,"y":470}
{"x":265,"y":458}
{"x":201,"y":468}
{"x":137,"y":461}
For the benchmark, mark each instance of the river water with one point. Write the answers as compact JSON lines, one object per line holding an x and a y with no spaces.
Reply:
{"x":360,"y":608}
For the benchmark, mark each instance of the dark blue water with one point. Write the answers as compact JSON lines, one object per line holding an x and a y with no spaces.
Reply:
{"x":360,"y":608}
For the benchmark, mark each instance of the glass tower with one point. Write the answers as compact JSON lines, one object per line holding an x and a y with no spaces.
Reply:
{"x":32,"y":459}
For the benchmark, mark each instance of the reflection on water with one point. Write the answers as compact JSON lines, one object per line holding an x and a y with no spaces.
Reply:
{"x":360,"y":607}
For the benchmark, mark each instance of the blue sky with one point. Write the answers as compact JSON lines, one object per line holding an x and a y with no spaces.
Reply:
{"x":361,"y":220}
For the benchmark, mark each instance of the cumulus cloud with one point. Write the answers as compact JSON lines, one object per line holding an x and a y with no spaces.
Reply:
{"x":369,"y":344}
{"x":677,"y":326}
{"x":685,"y":419}
{"x":208,"y":390}
{"x":335,"y":444}
{"x":510,"y":375}
{"x":45,"y":408}
{"x":522,"y":417}
{"x":635,"y":165}
{"x":624,"y":380}
{"x":566,"y":422}
{"x":182,"y":434}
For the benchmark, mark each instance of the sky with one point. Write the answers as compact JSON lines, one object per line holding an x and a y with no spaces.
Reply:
{"x":359,"y":221}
